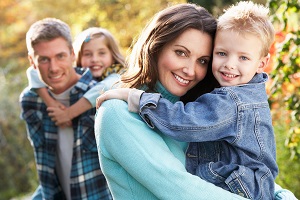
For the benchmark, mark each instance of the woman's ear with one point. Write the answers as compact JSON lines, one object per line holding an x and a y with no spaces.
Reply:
{"x":263,"y":63}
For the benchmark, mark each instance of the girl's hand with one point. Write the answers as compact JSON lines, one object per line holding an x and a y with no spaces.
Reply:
{"x":121,"y":93}
{"x":60,"y":115}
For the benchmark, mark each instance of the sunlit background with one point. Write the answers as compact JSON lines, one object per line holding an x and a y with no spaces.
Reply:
{"x":125,"y":19}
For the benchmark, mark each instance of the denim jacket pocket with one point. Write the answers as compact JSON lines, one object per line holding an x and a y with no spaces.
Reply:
{"x":88,"y":135}
{"x":206,"y":172}
{"x":236,"y":182}
{"x":34,"y":120}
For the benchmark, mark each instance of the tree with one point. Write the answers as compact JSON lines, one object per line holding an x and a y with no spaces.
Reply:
{"x":285,"y":67}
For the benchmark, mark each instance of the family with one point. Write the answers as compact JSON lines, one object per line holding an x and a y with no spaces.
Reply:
{"x":186,"y":116}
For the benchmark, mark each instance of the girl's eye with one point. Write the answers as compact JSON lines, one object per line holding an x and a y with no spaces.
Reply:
{"x":180,"y":53}
{"x":87,"y":54}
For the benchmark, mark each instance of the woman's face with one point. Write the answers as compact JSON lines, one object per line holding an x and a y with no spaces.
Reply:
{"x":183,"y":62}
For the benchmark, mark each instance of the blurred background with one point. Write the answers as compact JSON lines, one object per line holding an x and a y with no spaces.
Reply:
{"x":125,"y":19}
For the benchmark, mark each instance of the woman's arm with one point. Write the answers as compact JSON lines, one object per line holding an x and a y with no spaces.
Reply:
{"x":148,"y":158}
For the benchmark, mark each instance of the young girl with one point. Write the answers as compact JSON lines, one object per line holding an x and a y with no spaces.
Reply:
{"x":95,"y":48}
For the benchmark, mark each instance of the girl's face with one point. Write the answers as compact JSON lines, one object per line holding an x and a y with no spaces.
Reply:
{"x":96,"y":56}
{"x":183,"y":62}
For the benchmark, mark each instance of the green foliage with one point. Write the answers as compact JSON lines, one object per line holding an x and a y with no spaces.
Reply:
{"x":289,"y":170}
{"x":286,"y":74}
{"x":216,"y":7}
{"x":125,"y":19}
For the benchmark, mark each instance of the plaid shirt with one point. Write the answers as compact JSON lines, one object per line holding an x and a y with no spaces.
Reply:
{"x":87,"y":180}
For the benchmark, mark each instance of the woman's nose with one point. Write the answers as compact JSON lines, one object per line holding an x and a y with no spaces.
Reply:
{"x":189,"y":70}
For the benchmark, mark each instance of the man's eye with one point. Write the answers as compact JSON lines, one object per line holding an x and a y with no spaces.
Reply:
{"x":61,"y":56}
{"x":43,"y":60}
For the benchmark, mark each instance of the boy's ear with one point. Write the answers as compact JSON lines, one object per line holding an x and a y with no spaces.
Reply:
{"x":30,"y":58}
{"x":263,"y":63}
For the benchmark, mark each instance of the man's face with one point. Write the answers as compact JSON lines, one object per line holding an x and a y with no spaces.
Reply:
{"x":54,"y":62}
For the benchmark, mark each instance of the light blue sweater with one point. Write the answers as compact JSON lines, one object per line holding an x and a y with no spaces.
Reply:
{"x":141,"y":163}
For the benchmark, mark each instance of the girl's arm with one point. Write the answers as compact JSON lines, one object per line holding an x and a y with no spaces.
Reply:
{"x":36,"y":84}
{"x":85,"y":103}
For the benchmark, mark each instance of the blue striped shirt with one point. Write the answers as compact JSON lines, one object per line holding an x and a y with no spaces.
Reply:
{"x":87,"y":180}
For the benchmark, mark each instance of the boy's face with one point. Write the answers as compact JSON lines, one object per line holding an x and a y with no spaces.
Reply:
{"x":54,"y":63}
{"x":237,"y":58}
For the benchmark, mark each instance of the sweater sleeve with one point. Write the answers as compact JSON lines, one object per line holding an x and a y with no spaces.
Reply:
{"x":102,"y":86}
{"x":34,"y":81}
{"x":148,"y":159}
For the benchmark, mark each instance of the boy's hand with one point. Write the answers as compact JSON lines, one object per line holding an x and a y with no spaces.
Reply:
{"x":121,"y":93}
{"x":60,"y":115}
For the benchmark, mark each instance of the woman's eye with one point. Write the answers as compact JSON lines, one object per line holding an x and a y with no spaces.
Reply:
{"x":203,"y":61}
{"x":180,"y":53}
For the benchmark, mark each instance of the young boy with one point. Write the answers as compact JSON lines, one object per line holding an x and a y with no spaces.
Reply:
{"x":230,"y":129}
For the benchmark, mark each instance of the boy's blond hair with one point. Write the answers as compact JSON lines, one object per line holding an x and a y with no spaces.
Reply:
{"x":247,"y":17}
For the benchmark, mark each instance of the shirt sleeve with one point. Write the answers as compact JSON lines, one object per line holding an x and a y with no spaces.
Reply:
{"x":34,"y":81}
{"x":134,"y":100}
{"x":148,"y":158}
{"x":104,"y":85}
{"x":193,"y":122}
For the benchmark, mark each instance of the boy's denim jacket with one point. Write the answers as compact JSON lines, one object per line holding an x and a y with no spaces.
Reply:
{"x":230,"y":132}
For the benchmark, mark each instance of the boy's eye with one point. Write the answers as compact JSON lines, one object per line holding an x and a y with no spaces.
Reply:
{"x":221,"y":53}
{"x":244,"y":58}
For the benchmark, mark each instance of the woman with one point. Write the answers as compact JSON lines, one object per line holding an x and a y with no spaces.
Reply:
{"x":171,"y":56}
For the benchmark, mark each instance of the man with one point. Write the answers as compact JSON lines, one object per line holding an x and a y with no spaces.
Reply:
{"x":66,"y":157}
